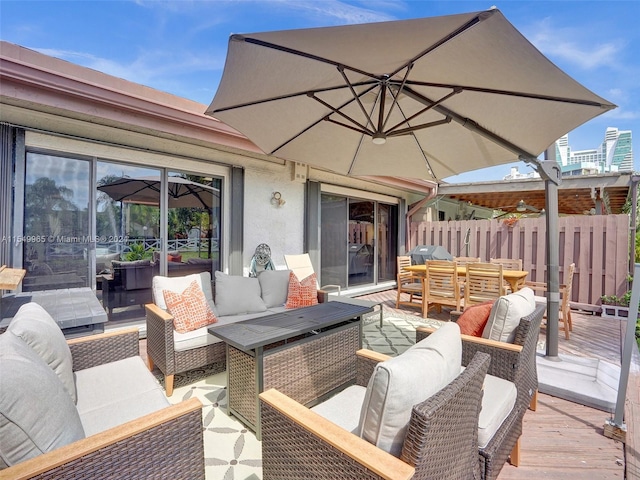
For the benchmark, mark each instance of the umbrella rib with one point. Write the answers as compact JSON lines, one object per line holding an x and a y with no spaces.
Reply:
{"x":371,"y":83}
{"x":355,"y":96}
{"x":300,"y":53}
{"x":342,"y":114}
{"x":534,"y":96}
{"x":460,"y":30}
{"x":408,"y":130}
{"x":395,"y":97}
{"x":335,"y":122}
{"x":427,"y":108}
{"x":325,"y":118}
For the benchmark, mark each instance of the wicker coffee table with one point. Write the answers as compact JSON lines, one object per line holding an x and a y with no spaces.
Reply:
{"x":305,"y":353}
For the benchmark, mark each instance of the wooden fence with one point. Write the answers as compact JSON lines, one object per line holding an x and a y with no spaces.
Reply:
{"x":598,"y":245}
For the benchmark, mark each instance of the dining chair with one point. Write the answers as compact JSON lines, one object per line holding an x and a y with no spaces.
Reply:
{"x":441,"y":285}
{"x":509,"y":264}
{"x":409,"y":283}
{"x":484,"y":282}
{"x":466,"y":260}
{"x":565,"y":289}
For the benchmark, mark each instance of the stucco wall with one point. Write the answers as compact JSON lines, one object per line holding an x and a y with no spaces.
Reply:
{"x":282,"y":228}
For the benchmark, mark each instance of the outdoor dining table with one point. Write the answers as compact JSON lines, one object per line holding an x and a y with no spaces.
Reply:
{"x":515,"y":278}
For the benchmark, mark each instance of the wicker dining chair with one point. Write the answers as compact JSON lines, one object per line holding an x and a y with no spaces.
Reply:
{"x":441,"y":440}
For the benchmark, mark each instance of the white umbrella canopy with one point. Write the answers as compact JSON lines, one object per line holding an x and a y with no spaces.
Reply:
{"x":425,"y":98}
{"x":181,"y":192}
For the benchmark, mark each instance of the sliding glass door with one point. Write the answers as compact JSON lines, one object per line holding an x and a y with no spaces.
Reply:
{"x":57,"y":232}
{"x":358,"y":241}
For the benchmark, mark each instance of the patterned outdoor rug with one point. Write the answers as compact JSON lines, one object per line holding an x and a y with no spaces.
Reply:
{"x":231,"y":450}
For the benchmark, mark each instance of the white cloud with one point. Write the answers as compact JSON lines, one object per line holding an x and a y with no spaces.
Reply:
{"x":573,"y":46}
{"x":147,"y":67}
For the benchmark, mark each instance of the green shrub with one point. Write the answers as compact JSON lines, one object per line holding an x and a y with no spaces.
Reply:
{"x":137,"y":252}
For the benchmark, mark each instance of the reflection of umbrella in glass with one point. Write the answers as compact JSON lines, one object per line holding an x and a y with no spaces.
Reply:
{"x":182,"y":192}
{"x":424,"y":98}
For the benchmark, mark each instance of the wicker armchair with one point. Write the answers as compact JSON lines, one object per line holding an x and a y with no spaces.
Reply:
{"x":514,"y":362}
{"x":134,"y":450}
{"x":441,"y":440}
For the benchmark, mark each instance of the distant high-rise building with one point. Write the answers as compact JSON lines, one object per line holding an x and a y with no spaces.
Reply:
{"x":615,"y":154}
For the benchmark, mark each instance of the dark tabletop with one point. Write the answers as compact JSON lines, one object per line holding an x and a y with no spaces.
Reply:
{"x":258,"y":332}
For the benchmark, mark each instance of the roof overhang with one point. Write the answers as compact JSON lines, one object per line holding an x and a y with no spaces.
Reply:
{"x":576,"y":195}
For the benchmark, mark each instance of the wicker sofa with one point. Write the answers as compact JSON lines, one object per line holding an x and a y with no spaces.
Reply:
{"x":383,"y":427}
{"x":237,"y":298}
{"x":514,"y":361}
{"x":88,"y":408}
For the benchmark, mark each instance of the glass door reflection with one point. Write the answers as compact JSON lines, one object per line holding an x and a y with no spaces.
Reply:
{"x":57,"y":235}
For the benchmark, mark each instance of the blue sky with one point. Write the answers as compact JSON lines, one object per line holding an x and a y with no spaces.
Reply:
{"x":179,"y":46}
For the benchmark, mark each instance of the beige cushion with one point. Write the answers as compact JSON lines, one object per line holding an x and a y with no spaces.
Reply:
{"x":344,"y":408}
{"x":179,"y":285}
{"x":274,"y":285}
{"x":236,"y":294}
{"x":506,"y":314}
{"x":117,"y":392}
{"x":498,"y":399}
{"x":37,"y":414}
{"x":404,"y":381}
{"x":33,"y":324}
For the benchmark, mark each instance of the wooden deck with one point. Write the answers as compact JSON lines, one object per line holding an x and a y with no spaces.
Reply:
{"x":563,"y":440}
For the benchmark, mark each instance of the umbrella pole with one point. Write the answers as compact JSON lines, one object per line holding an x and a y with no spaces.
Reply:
{"x":549,"y":170}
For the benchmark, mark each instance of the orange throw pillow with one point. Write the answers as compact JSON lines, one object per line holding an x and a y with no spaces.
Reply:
{"x":474,"y":318}
{"x":302,"y":293}
{"x":190,"y":309}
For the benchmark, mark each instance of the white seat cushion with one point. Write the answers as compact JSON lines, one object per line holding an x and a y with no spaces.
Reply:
{"x":506,"y":314}
{"x":201,"y":337}
{"x":498,"y":400}
{"x":404,"y":381}
{"x":117,"y":392}
{"x":344,"y":408}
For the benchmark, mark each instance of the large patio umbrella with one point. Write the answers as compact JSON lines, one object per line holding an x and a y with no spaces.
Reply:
{"x":424,"y":98}
{"x":181,"y":192}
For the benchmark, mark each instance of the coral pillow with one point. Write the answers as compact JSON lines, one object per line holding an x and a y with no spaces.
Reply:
{"x":474,"y":319}
{"x":302,"y":293}
{"x":190,"y":308}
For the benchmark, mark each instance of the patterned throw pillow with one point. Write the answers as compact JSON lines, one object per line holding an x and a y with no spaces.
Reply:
{"x":190,"y":309}
{"x":302,"y":293}
{"x":474,"y":319}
